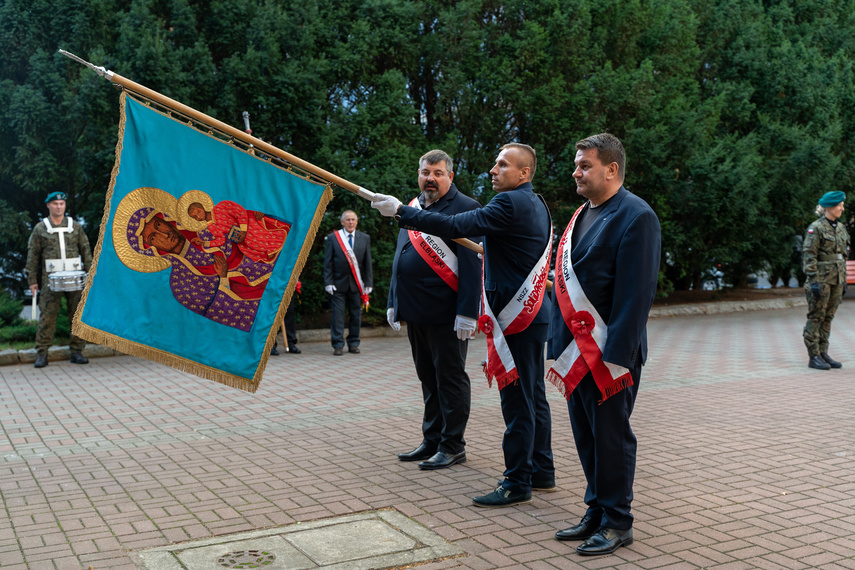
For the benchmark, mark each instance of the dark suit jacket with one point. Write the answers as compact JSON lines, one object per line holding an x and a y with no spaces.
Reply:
{"x":617,"y":264}
{"x":417,"y":293}
{"x":336,"y":268}
{"x":515,"y":226}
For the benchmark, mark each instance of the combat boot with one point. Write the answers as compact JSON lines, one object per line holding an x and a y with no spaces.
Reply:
{"x":77,"y":358}
{"x":41,"y":360}
{"x":831,"y":362}
{"x":818,"y":363}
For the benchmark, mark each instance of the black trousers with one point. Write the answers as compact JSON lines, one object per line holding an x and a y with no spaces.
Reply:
{"x":527,"y":444}
{"x":354,"y":311}
{"x":290,"y":324}
{"x":440,"y":359}
{"x":606,"y":447}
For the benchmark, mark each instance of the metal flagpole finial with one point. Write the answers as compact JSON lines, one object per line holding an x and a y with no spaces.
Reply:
{"x":105,"y":73}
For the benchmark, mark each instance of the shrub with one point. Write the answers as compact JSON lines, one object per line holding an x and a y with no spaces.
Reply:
{"x":10,"y":309}
{"x":22,"y":332}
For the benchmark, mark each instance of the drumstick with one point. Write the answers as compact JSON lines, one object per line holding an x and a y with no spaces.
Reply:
{"x":34,"y":305}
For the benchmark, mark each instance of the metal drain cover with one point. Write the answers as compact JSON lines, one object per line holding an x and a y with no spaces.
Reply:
{"x":246,"y":559}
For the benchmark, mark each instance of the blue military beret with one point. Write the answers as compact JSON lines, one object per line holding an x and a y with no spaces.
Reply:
{"x":830,"y":199}
{"x":62,"y":196}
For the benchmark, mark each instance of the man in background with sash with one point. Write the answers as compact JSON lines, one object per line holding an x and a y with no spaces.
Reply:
{"x":347,"y":280}
{"x":436,"y":290}
{"x":606,"y":272}
{"x":57,"y":243}
{"x":517,"y":230}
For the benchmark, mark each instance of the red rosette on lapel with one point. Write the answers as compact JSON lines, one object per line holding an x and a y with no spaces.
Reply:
{"x":582,"y":324}
{"x":485,"y":324}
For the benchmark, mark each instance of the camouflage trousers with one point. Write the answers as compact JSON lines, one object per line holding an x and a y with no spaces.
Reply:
{"x":821,"y":309}
{"x":49,"y":304}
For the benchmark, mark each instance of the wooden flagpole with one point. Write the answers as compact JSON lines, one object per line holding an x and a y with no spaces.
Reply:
{"x":238,"y":134}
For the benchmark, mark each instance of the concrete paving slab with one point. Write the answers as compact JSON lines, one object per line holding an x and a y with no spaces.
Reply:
{"x":351,"y":541}
{"x":159,"y":560}
{"x":377,"y":539}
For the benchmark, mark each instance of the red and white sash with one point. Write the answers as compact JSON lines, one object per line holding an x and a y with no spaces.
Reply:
{"x":435,"y":252}
{"x":513,"y":318}
{"x":589,"y":330}
{"x":341,"y":237}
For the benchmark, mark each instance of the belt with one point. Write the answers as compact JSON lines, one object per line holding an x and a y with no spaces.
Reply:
{"x":829,"y":257}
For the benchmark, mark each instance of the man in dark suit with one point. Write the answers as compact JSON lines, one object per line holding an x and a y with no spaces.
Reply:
{"x":605,"y":281}
{"x":348,"y":280}
{"x":516,"y":227}
{"x":436,"y":290}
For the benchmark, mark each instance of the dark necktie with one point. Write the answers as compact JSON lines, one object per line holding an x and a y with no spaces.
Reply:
{"x":350,"y":240}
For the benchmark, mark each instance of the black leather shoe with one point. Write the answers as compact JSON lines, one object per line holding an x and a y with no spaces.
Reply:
{"x":77,"y":358}
{"x":831,"y":362}
{"x":605,"y":541}
{"x":338,"y":351}
{"x":818,"y":363}
{"x":294,"y":350}
{"x":422,"y":452}
{"x":441,"y":460}
{"x":275,"y":350}
{"x":41,"y":361}
{"x":353,"y":349}
{"x":582,"y":531}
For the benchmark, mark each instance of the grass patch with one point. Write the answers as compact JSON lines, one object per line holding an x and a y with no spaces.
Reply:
{"x":28,"y":344}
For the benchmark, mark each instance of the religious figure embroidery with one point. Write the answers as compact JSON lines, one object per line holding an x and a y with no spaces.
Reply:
{"x":220,"y":283}
{"x":257,"y":235}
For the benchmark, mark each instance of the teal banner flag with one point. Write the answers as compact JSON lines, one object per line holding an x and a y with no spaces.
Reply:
{"x":200,"y":249}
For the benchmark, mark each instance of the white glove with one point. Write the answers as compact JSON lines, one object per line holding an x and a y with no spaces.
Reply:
{"x":368,"y":290}
{"x":330,"y":289}
{"x":464,"y":326}
{"x":390,"y":318}
{"x":386,"y":205}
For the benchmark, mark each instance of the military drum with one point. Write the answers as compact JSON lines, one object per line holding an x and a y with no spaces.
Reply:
{"x":67,"y":280}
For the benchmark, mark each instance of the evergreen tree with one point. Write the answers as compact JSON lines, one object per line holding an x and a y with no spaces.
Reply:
{"x":736,"y":114}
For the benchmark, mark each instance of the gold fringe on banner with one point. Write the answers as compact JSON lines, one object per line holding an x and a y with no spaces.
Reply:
{"x":298,"y":268}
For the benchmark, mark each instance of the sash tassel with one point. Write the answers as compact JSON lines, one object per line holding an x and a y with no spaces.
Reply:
{"x":616,"y":386}
{"x":508,"y":379}
{"x":567,"y":384}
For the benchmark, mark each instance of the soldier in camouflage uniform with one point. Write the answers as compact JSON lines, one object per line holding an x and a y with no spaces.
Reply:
{"x":45,"y":245}
{"x":826,"y":248}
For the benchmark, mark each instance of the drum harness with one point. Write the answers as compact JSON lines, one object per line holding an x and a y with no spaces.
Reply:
{"x":52,"y":265}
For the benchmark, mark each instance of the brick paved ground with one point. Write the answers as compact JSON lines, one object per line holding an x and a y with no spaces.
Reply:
{"x":746,"y":457}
